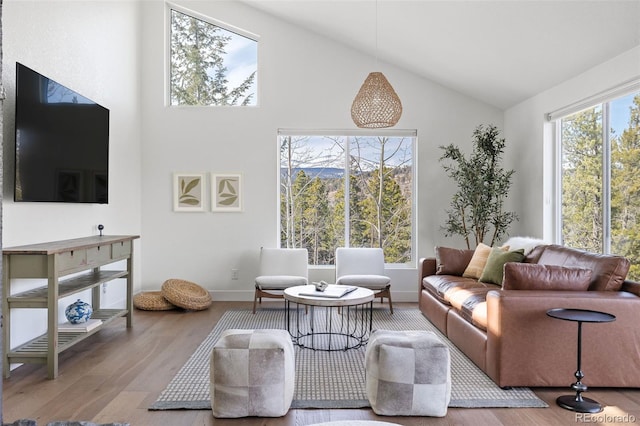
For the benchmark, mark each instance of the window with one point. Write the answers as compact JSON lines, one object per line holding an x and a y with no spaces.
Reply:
{"x":348,"y":191}
{"x":209,"y":64}
{"x":600,"y":178}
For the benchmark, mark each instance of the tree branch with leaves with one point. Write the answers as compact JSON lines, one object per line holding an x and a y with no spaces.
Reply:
{"x":476,"y":211}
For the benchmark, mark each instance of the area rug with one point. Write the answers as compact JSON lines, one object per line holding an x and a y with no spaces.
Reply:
{"x":336,"y":379}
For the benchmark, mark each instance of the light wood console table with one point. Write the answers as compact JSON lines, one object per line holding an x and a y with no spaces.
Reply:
{"x":52,"y":261}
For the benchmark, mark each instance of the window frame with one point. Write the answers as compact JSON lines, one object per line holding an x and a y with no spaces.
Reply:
{"x":225,"y":26}
{"x":604,"y":100}
{"x":398,"y":133}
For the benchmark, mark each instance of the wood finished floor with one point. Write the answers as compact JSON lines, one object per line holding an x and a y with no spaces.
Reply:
{"x":114,"y":375}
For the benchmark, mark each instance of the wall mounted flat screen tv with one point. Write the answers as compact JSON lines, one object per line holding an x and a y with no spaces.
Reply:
{"x":62,"y":143}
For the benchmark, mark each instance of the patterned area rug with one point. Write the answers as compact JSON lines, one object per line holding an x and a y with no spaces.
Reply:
{"x":336,"y":379}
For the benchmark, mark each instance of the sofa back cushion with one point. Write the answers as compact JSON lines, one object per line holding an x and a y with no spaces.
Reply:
{"x":534,"y":254}
{"x":531,"y":276}
{"x":608,"y":272}
{"x":452,"y":261}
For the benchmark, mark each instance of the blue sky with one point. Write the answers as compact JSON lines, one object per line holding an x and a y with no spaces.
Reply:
{"x":620,"y":113}
{"x":241,"y":60}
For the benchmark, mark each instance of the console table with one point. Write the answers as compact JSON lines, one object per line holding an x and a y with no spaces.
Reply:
{"x":83,"y":257}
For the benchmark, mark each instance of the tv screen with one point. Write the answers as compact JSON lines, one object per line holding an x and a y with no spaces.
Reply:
{"x":62,"y":143}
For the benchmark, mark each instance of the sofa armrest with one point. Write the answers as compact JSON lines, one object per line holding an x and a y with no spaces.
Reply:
{"x":631,"y":287}
{"x":426,"y":267}
{"x":525,"y":347}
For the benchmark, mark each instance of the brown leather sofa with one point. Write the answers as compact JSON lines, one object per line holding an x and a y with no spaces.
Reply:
{"x":505,"y":331}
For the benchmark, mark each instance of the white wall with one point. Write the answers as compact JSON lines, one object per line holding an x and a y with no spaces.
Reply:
{"x":305,"y":82}
{"x":525,"y":124}
{"x":92,"y":47}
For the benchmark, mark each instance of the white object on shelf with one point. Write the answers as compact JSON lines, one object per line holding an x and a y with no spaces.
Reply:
{"x":83,"y":327}
{"x":332,"y":291}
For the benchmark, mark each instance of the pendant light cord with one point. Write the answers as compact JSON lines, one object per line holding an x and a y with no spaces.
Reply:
{"x":376,"y":35}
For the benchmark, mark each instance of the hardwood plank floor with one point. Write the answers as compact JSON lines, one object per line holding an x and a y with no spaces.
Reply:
{"x":114,"y":375}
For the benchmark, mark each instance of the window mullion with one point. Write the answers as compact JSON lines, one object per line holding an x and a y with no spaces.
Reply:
{"x":606,"y":178}
{"x":347,"y":191}
{"x":557,"y":229}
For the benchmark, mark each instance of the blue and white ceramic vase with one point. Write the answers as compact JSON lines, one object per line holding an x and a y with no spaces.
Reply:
{"x":78,"y":312}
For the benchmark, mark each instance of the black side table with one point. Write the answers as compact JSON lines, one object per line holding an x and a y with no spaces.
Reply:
{"x":578,"y":403}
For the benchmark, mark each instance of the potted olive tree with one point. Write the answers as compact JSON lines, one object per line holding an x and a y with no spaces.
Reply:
{"x":476,"y":211}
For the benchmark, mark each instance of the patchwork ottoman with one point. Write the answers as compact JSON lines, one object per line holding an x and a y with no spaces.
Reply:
{"x":407,"y":373}
{"x":252,"y":373}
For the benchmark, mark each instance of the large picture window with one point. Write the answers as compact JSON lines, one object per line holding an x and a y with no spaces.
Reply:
{"x":600,"y":179}
{"x":210,"y":64}
{"x":348,"y":191}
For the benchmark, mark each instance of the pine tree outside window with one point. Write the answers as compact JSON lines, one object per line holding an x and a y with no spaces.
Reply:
{"x":600,"y":179}
{"x":352,"y":190}
{"x":210,"y":64}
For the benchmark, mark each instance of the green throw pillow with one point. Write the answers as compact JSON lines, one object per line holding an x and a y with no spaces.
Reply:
{"x":494,"y":268}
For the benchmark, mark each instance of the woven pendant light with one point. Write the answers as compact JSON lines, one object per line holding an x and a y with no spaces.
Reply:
{"x":376,"y":105}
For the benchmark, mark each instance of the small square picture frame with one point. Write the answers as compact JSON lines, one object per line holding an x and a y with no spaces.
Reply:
{"x":226,"y":192}
{"x":188,"y":192}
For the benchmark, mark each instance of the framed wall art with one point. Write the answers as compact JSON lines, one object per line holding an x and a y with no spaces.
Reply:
{"x":226,"y":192}
{"x":188,"y":192}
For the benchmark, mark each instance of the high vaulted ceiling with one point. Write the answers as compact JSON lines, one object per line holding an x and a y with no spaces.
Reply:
{"x":500,"y":52}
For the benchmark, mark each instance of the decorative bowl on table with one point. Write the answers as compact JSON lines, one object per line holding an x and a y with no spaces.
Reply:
{"x":78,"y":312}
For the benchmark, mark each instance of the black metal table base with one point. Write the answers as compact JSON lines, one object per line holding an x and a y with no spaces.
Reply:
{"x":335,"y":328}
{"x":579,"y":404}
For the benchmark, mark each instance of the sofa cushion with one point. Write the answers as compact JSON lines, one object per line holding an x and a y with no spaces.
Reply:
{"x":452,"y":261}
{"x":530,"y":276}
{"x":474,"y":310}
{"x":608,"y":271}
{"x":492,"y":272}
{"x":471,"y":304}
{"x":479,"y":259}
{"x":441,"y":285}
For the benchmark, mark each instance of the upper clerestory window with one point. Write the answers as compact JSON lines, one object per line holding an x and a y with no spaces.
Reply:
{"x":210,"y":63}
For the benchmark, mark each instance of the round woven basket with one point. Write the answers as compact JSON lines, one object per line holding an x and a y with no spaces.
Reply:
{"x":186,"y":294}
{"x":152,"y":301}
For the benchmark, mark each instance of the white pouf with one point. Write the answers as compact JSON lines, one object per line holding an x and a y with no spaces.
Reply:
{"x":252,"y":373}
{"x":408,"y":373}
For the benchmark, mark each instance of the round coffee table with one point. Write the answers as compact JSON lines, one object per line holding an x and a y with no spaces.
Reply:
{"x":338,"y":325}
{"x":570,"y":402}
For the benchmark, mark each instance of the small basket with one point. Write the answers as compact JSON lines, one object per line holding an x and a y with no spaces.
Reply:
{"x":186,"y":294}
{"x":152,"y":301}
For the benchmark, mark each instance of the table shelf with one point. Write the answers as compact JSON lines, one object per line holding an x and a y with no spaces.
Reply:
{"x":39,"y":347}
{"x":38,"y":297}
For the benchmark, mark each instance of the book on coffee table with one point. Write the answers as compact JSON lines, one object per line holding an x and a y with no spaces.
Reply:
{"x":83,"y":327}
{"x":332,"y":291}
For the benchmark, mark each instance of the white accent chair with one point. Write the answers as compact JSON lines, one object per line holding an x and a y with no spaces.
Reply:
{"x":280,"y":268}
{"x":363,"y":267}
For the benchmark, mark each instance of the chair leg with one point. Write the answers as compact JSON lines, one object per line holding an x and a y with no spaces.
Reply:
{"x":386,"y":293}
{"x":255,"y":299}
